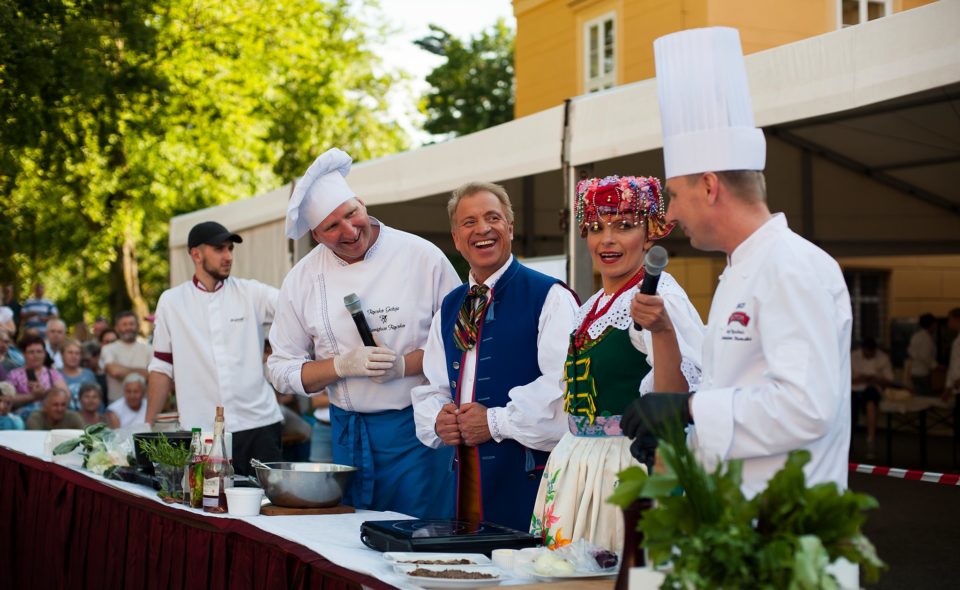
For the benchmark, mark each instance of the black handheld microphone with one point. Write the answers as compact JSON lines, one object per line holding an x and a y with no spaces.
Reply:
{"x":653,"y":263}
{"x":356,"y":312}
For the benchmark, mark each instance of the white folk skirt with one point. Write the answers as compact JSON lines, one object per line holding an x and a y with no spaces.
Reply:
{"x":580,"y":475}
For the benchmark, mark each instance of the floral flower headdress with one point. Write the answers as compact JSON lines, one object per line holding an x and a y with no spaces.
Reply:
{"x":634,"y":198}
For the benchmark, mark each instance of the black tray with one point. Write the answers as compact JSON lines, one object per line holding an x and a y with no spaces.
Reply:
{"x":442,"y":536}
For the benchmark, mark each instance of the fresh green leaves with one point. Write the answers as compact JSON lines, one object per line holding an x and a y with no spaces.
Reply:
{"x":91,"y":439}
{"x":163,"y":451}
{"x":474,"y":88}
{"x":716,"y":538}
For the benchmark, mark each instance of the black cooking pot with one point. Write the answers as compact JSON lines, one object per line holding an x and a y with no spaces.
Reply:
{"x":180,"y":438}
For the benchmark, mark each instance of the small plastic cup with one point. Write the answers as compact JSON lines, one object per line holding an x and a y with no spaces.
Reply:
{"x":503,"y":558}
{"x":243,"y":501}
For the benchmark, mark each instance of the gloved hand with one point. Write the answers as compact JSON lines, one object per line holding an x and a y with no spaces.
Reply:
{"x":655,"y":412}
{"x":366,"y":361}
{"x":394,"y":372}
{"x":649,"y":418}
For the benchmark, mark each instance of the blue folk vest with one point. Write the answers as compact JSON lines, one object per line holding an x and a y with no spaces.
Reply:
{"x":506,"y":357}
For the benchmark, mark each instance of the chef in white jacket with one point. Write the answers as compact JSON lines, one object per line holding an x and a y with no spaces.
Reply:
{"x":776,"y":358}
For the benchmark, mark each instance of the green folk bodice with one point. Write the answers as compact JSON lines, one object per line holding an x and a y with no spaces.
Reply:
{"x":601,"y":378}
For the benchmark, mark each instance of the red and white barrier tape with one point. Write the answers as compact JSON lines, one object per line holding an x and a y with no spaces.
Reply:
{"x":950,"y":479}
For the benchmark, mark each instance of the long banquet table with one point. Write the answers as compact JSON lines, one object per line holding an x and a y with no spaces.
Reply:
{"x":68,"y":528}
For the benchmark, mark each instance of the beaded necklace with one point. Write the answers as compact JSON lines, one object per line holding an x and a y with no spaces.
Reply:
{"x":580,"y":336}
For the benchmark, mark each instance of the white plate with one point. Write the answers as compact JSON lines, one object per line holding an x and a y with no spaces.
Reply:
{"x":607,"y":573}
{"x":410,"y":556}
{"x":406,"y":568}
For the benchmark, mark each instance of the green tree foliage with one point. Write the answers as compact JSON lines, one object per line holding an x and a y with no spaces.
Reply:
{"x":474,"y":88}
{"x":119,"y":114}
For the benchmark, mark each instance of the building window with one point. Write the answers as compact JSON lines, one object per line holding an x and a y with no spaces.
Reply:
{"x":868,"y":296}
{"x":854,"y":12}
{"x":599,"y":52}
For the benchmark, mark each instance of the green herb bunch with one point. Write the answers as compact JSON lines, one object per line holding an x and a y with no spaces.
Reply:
{"x":783,"y":538}
{"x":164,"y":452}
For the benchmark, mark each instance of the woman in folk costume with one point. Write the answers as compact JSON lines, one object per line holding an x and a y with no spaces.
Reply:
{"x":609,"y":362}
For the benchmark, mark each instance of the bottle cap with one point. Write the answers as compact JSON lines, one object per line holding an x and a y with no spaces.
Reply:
{"x":195,"y":430}
{"x":219,"y":411}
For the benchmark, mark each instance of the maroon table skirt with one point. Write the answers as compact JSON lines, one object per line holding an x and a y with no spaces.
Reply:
{"x":61,"y":529}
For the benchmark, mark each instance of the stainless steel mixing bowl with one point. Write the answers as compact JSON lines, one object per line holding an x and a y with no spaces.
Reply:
{"x":304,"y":485}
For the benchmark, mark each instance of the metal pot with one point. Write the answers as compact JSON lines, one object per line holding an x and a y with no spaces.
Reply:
{"x":304,"y":485}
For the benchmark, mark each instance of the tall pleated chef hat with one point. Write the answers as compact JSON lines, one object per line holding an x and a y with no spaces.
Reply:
{"x":321,"y":190}
{"x":705,"y":108}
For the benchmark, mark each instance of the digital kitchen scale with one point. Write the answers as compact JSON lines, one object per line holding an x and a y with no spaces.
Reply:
{"x":442,"y":536}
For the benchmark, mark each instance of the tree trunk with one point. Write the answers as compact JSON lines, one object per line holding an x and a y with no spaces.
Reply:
{"x":131,"y":276}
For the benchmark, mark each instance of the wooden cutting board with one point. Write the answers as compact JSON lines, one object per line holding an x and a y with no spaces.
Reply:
{"x":271,"y":510}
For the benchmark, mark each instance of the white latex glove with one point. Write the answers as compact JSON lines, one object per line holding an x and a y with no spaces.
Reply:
{"x":394,"y":372}
{"x":366,"y":361}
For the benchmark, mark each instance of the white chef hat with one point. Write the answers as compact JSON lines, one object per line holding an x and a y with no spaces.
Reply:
{"x":705,"y":109}
{"x":321,"y":190}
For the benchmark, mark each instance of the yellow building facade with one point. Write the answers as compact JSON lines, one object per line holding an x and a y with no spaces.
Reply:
{"x":566,"y":48}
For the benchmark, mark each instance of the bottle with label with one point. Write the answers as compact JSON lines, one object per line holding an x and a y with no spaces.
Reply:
{"x":193,"y":473}
{"x":217,"y":470}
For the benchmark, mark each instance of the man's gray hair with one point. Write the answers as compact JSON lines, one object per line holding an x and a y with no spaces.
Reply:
{"x":472,"y":188}
{"x":135,"y":378}
{"x":52,"y":321}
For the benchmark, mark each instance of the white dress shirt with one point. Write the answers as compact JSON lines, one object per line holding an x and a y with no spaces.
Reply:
{"x":878,"y":366}
{"x":922,"y":351}
{"x":953,"y":369}
{"x":400,"y":282}
{"x":776,"y":361}
{"x":216,"y":343}
{"x":534,"y":415}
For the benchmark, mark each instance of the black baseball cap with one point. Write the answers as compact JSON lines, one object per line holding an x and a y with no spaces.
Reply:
{"x":212,"y":233}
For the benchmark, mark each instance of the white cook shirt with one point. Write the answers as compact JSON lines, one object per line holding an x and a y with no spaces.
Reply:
{"x":400,"y":282}
{"x":953,"y":369}
{"x":534,"y":415}
{"x":922,"y":351}
{"x":216,"y":342}
{"x":776,"y":361}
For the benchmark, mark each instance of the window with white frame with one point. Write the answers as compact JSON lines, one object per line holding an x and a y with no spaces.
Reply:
{"x":599,"y":53}
{"x":854,"y":12}
{"x":868,"y":296}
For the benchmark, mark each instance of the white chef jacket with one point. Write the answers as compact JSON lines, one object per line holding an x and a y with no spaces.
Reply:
{"x":216,"y":342}
{"x":953,"y":369}
{"x":922,"y":351}
{"x":400,"y":282}
{"x":534,"y":415}
{"x":776,"y":361}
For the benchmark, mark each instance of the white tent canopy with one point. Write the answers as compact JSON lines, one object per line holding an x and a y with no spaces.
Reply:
{"x":856,"y":120}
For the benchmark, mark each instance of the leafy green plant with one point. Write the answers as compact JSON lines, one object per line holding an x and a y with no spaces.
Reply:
{"x":99,"y":454}
{"x":785,"y":537}
{"x":164,"y":452}
{"x":92,"y":439}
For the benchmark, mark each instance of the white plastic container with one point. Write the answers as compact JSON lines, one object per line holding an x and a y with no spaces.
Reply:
{"x":243,"y":501}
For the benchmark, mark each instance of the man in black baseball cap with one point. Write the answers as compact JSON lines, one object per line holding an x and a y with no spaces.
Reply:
{"x":212,"y":233}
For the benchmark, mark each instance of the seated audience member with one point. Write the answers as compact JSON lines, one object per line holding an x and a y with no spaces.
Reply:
{"x":108,"y":336}
{"x":73,"y":372}
{"x":872,"y":373}
{"x":91,"y":401}
{"x":91,"y":360}
{"x":99,"y":325}
{"x":131,"y":408}
{"x":56,"y":335}
{"x":10,"y":357}
{"x":80,"y":332}
{"x":124,"y":356}
{"x":54,"y":413}
{"x":8,"y":420}
{"x":33,"y":379}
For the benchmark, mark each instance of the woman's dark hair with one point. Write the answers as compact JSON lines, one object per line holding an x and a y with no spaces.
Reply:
{"x":30,"y":340}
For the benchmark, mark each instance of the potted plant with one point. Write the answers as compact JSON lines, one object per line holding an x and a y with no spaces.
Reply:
{"x":169,"y":461}
{"x":785,"y":537}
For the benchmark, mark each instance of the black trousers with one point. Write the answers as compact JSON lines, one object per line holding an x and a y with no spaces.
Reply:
{"x":261,"y":443}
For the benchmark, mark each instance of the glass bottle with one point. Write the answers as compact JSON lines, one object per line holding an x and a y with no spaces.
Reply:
{"x":633,"y":555}
{"x":193,"y":493}
{"x":217,"y":470}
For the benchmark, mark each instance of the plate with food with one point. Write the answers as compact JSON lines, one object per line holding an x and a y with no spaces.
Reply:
{"x":437,"y":558}
{"x":550,"y":566}
{"x":450,"y":576}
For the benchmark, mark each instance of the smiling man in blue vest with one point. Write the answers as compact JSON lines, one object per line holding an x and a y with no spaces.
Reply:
{"x":494,"y":359}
